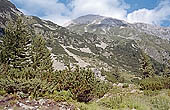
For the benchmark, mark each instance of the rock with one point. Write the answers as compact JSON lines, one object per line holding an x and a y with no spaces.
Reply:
{"x":120,"y":85}
{"x":136,"y":91}
{"x":65,"y":106}
{"x":27,"y":101}
{"x":133,"y":91}
{"x":25,"y":107}
{"x":42,"y":102}
{"x":140,"y":91}
{"x":114,"y":84}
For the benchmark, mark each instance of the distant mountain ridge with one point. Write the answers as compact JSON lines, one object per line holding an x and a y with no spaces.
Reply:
{"x":101,"y":21}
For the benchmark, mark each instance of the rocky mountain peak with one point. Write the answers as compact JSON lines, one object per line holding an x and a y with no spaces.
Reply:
{"x":97,"y":20}
{"x":88,"y":19}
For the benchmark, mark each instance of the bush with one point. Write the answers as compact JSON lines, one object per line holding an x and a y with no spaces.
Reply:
{"x":2,"y":92}
{"x":101,"y":88}
{"x":151,"y":93}
{"x":81,"y":82}
{"x":166,"y":82}
{"x":154,"y":83}
{"x":61,"y":96}
{"x":25,"y":81}
{"x":113,"y":76}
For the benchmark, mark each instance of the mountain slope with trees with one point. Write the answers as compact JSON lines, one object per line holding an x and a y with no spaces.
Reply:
{"x":96,"y":63}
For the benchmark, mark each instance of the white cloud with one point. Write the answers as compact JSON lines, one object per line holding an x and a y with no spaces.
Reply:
{"x":60,"y":13}
{"x":47,"y":9}
{"x":153,"y":16}
{"x":111,"y":8}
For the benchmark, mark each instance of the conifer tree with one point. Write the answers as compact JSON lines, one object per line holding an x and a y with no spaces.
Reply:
{"x":15,"y":46}
{"x":41,"y":56}
{"x":167,"y":69}
{"x":146,"y":66}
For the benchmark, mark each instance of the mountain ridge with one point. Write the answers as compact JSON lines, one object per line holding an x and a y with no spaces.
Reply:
{"x":139,"y":32}
{"x":109,"y":21}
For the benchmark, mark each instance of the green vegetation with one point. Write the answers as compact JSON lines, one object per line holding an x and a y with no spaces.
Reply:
{"x":147,"y":66}
{"x":122,"y":99}
{"x":35,"y":76}
{"x":80,"y":82}
{"x":15,"y":46}
{"x":113,"y":76}
{"x":26,"y":69}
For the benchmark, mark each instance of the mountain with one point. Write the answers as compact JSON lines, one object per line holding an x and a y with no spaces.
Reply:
{"x":96,"y":41}
{"x":151,"y":39}
{"x":8,"y":11}
{"x":101,"y":21}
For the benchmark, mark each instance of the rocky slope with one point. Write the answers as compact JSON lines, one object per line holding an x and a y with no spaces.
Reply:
{"x":94,"y":41}
{"x":8,"y":11}
{"x":153,"y":40}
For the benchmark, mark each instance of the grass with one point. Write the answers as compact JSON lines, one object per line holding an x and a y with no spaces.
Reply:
{"x":91,"y":106}
{"x":121,"y":99}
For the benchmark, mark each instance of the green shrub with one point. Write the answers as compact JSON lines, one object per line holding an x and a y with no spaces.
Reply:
{"x":81,"y":82}
{"x":2,"y":92}
{"x":101,"y":88}
{"x":151,"y":93}
{"x":154,"y":83}
{"x":26,"y":81}
{"x":35,"y":87}
{"x":166,"y":82}
{"x":61,"y":96}
{"x":113,"y":76}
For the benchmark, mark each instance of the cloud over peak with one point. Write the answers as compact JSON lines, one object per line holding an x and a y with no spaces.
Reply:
{"x":154,"y":16}
{"x":60,"y":12}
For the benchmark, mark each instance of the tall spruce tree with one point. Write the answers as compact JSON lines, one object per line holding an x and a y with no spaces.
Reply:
{"x":15,"y":46}
{"x":146,"y":66}
{"x":41,"y":56}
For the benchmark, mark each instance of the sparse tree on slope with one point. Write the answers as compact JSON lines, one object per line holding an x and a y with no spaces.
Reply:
{"x":41,"y":56}
{"x":15,"y":46}
{"x":146,"y":66}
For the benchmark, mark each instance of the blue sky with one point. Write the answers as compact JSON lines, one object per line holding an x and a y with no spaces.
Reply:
{"x":139,"y":4}
{"x":155,"y":12}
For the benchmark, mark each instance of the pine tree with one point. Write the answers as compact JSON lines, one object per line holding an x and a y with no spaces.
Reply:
{"x":167,"y":69}
{"x":15,"y":46}
{"x":41,"y":56}
{"x":146,"y":66}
